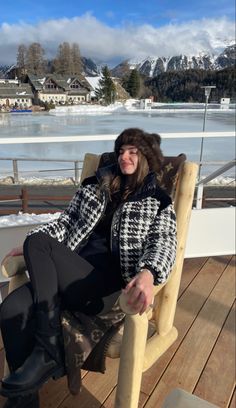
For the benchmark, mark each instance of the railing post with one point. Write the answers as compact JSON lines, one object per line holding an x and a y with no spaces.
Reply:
{"x":15,"y":171}
{"x":199,"y":196}
{"x":77,"y":177}
{"x":24,"y":198}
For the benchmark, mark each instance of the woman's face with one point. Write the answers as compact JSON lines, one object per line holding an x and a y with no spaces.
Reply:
{"x":128,"y":159}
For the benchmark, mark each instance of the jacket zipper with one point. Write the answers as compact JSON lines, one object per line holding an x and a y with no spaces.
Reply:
{"x":112,"y":225}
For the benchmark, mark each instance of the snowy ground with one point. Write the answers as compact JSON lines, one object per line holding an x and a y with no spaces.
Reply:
{"x":25,"y":219}
{"x":132,"y":105}
{"x":218,"y":181}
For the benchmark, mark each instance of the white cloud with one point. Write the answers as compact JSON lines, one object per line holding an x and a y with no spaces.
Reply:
{"x":105,"y":43}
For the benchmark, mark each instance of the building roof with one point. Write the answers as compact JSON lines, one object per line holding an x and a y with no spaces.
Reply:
{"x":93,"y":81}
{"x":63,"y":83}
{"x":12,"y":90}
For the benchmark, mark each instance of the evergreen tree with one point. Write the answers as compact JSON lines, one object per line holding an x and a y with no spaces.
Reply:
{"x":35,"y":63}
{"x":133,"y":84}
{"x":107,"y":89}
{"x":185,"y":86}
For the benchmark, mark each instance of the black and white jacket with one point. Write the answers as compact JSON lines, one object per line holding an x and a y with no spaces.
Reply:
{"x":143,"y":231}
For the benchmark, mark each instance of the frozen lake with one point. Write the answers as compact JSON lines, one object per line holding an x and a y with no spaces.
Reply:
{"x":45,"y":124}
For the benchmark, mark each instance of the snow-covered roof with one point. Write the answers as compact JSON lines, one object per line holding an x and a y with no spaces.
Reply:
{"x":93,"y":81}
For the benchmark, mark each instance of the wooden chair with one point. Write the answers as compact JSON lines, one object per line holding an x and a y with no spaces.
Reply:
{"x":138,"y":352}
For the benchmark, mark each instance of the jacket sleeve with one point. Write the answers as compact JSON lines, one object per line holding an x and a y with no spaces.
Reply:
{"x":160,"y":247}
{"x":61,"y":227}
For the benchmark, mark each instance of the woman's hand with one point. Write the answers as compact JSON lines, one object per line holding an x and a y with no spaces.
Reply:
{"x":14,"y":252}
{"x":139,"y":291}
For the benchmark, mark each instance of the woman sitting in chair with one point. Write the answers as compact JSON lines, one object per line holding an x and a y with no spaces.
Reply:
{"x":118,"y":232}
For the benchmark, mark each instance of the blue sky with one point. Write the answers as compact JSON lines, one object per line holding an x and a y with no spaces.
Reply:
{"x":117,"y":12}
{"x":114,"y":30}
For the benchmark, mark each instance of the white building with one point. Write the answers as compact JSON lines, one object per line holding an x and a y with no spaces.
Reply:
{"x":15,"y":94}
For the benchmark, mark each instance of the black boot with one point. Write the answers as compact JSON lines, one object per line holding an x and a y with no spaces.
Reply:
{"x":46,"y":360}
{"x":29,"y":401}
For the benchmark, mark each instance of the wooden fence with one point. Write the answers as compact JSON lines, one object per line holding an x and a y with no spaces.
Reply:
{"x":25,"y":199}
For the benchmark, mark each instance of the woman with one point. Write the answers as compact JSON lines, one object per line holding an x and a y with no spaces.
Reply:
{"x":119,"y":232}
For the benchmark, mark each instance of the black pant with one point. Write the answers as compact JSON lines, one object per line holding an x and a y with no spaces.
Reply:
{"x":58,"y":277}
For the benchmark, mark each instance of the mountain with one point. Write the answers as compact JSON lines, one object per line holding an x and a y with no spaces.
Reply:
{"x":90,"y":68}
{"x":226,"y":58}
{"x":152,"y":66}
{"x":5,"y":70}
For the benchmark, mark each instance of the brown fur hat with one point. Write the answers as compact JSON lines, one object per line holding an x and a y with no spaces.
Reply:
{"x":147,"y":143}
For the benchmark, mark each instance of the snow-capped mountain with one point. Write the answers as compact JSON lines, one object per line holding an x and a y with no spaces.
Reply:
{"x":90,"y":68}
{"x":152,"y":66}
{"x":5,"y":69}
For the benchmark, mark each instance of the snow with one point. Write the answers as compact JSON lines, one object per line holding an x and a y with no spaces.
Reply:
{"x":129,"y":105}
{"x":87,"y":109}
{"x":38,"y":181}
{"x":165,"y":61}
{"x":42,"y":80}
{"x":26,"y":219}
{"x":93,"y":81}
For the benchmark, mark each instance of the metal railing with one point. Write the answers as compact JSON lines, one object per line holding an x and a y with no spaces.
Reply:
{"x":16,"y":173}
{"x":201,"y":183}
{"x":77,"y":164}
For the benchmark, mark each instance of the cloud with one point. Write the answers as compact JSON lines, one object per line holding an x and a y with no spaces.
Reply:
{"x":111,"y":44}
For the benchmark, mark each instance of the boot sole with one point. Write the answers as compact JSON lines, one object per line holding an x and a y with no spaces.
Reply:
{"x":55,"y":374}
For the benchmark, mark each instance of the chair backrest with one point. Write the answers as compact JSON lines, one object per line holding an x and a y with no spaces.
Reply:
{"x":167,"y":177}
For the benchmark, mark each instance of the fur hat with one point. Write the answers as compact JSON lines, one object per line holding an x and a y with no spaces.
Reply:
{"x":147,"y":143}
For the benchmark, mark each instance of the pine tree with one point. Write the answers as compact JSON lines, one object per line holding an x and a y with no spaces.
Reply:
{"x":133,"y":84}
{"x":35,"y":63}
{"x":107,"y":89}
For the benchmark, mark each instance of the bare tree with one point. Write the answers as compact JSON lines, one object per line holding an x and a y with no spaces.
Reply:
{"x":21,"y":60}
{"x":35,"y":63}
{"x":63,"y":64}
{"x":76,"y":59}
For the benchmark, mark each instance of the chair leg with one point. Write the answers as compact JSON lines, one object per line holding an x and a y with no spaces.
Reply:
{"x":131,"y":361}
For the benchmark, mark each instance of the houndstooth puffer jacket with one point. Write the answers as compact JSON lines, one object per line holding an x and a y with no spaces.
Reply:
{"x":143,"y":231}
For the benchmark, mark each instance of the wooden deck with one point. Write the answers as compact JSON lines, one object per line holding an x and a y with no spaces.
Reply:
{"x":201,"y":361}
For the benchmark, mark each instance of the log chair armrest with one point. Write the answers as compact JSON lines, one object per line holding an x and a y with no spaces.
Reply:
{"x":13,"y":265}
{"x":126,"y":308}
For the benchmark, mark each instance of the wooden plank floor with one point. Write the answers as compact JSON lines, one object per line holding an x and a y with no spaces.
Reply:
{"x":201,"y":361}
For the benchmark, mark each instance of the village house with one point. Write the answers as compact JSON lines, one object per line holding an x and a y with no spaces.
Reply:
{"x":14,"y":94}
{"x":60,"y":90}
{"x":55,"y":89}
